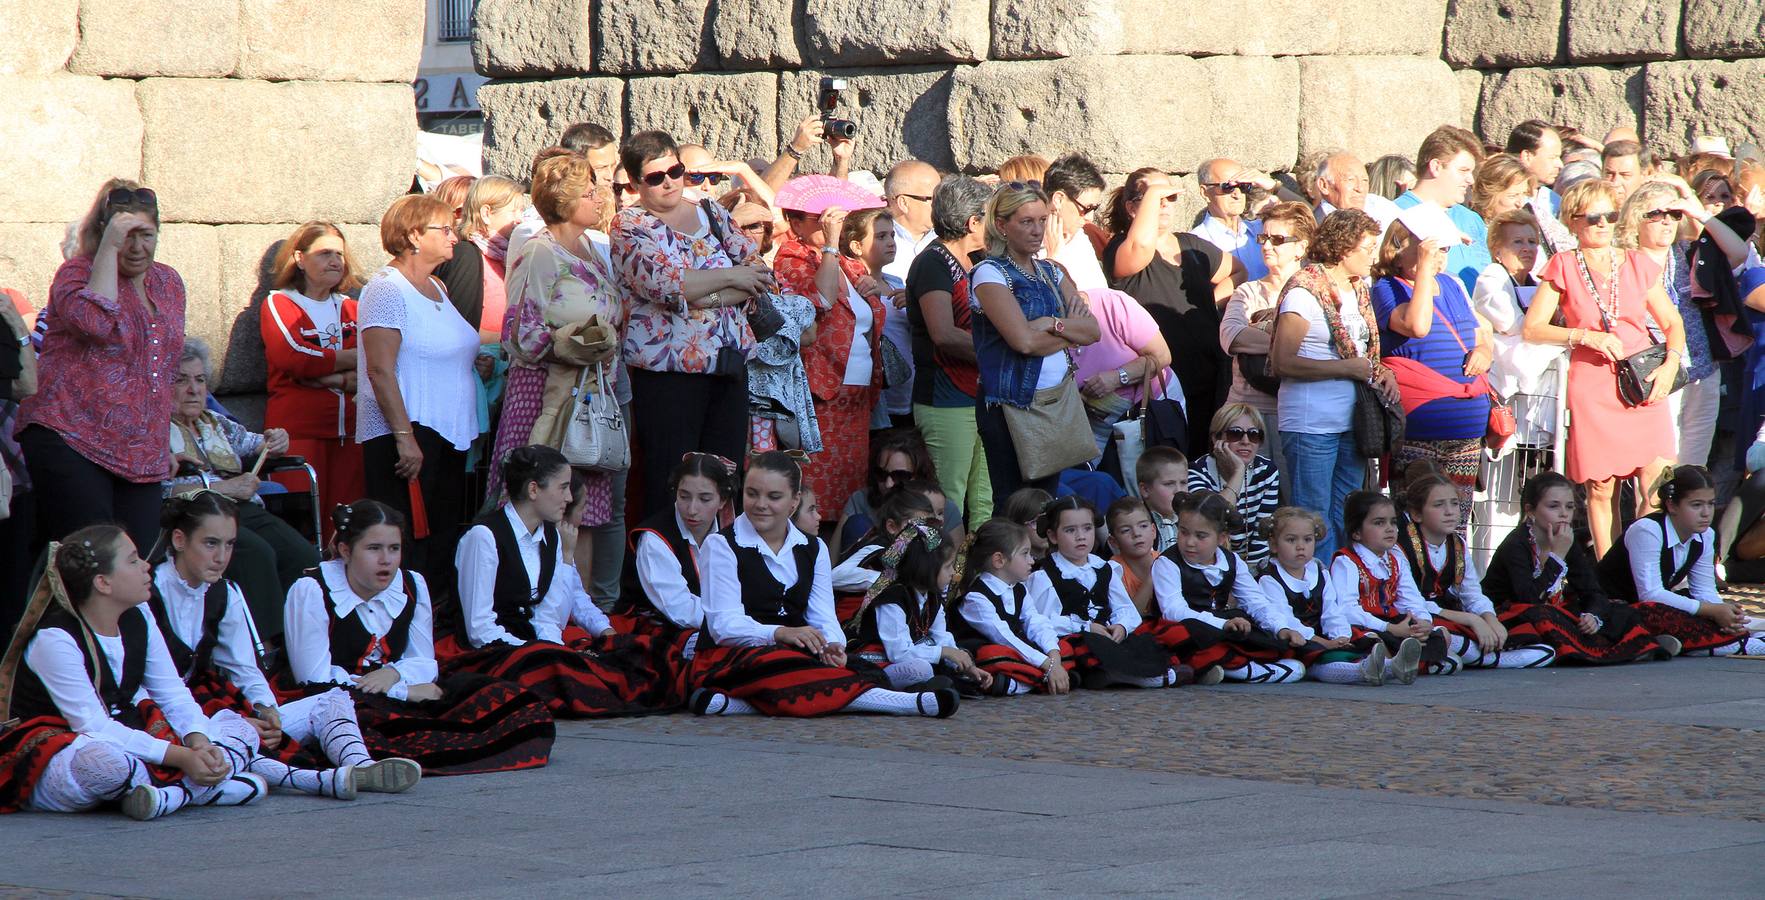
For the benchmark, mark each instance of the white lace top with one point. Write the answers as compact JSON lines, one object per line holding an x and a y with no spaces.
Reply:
{"x":434,"y":361}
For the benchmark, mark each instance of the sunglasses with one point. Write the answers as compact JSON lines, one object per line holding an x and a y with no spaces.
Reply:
{"x":757,"y":227}
{"x":1277,"y":240}
{"x":895,"y":475}
{"x":696,"y":178}
{"x":1656,"y":215}
{"x":1231,"y":187}
{"x":1170,"y":196}
{"x":797,"y":456}
{"x":674,"y":172}
{"x":1023,"y":186}
{"x":137,"y":197}
{"x":1235,"y":434}
{"x":1086,"y":209}
{"x":1605,"y":218}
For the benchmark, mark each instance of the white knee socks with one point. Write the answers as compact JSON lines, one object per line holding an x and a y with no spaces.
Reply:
{"x":897,"y":703}
{"x":1337,"y":672}
{"x":907,"y":672}
{"x":1280,"y":671}
{"x":339,"y":734}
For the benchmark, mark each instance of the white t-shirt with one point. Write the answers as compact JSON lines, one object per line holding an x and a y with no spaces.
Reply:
{"x":1054,"y":365}
{"x":1080,"y":260}
{"x":1320,"y":407}
{"x":858,"y":361}
{"x":435,"y":356}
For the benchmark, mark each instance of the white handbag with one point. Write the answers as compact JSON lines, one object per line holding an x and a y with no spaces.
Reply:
{"x":594,"y":435}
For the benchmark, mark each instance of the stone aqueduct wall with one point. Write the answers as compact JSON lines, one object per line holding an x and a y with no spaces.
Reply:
{"x":251,"y":115}
{"x":246,"y":116}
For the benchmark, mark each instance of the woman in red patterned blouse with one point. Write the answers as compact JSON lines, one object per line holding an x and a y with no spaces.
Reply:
{"x":96,"y":428}
{"x":845,"y":360}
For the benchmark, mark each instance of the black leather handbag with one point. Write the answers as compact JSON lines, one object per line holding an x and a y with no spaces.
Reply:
{"x":1633,"y":370}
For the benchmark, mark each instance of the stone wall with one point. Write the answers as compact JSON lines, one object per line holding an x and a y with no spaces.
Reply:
{"x":1672,"y":69}
{"x":246,"y":116}
{"x":964,"y":84}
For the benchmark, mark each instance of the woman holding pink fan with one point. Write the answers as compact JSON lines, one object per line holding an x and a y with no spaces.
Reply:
{"x":844,"y":362}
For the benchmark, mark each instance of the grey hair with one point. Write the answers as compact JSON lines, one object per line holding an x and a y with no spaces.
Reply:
{"x":1574,"y":173}
{"x":958,"y":199}
{"x":197,"y":348}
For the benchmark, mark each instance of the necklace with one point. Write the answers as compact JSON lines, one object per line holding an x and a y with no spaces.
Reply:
{"x":1609,"y":304}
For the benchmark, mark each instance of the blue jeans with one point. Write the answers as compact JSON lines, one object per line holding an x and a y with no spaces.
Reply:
{"x":1322,"y":470}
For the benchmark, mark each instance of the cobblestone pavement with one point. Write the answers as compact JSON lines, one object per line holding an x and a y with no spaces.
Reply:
{"x":1353,"y":737}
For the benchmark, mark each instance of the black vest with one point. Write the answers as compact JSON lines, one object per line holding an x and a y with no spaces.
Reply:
{"x":1433,"y":584}
{"x":1091,"y":604}
{"x":30,"y":698}
{"x":350,"y":640}
{"x":967,"y":633}
{"x":1614,"y":569}
{"x":763,"y":598}
{"x":512,"y":596}
{"x":1217,"y":599}
{"x":633,"y":601}
{"x":920,"y":617}
{"x":1308,"y":607}
{"x":191,"y":662}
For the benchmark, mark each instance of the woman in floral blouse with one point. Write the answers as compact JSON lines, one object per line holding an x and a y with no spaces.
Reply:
{"x":558,"y":281}
{"x":687,"y":275}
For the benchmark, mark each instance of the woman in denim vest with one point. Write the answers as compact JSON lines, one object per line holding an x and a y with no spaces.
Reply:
{"x":1028,"y":316}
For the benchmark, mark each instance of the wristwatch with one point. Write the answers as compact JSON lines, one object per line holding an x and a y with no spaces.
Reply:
{"x":1122,"y":376}
{"x":716,"y":298}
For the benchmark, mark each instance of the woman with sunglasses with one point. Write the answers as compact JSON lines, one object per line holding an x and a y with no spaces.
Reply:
{"x":688,"y":275}
{"x":1237,"y":470}
{"x":96,"y":427}
{"x":1660,"y":220}
{"x":1247,"y":325}
{"x":897,"y":457}
{"x":1181,"y":280}
{"x":1606,"y":294}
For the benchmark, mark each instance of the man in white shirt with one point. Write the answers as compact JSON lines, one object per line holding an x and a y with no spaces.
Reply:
{"x":1226,"y":186}
{"x":907,"y":189}
{"x":1340,"y":182}
{"x":1075,"y":190}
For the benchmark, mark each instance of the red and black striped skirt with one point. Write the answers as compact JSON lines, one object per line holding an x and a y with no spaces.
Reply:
{"x":781,"y":681}
{"x":1620,"y":641}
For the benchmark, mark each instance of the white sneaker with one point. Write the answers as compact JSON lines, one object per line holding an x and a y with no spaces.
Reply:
{"x":145,"y":802}
{"x":1405,"y":662}
{"x":1373,"y":667}
{"x":388,"y":776}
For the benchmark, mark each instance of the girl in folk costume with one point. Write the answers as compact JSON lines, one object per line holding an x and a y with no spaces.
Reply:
{"x":308,"y":328}
{"x":1082,"y":596}
{"x":362,"y":622}
{"x":214,"y":645}
{"x":662,"y":595}
{"x":1451,"y":586}
{"x":902,"y":626}
{"x":101,"y":714}
{"x":771,"y":643}
{"x":1302,"y":610}
{"x":519,"y":592}
{"x":854,"y":576}
{"x":993,"y":619}
{"x":1203,"y":587}
{"x":1549,"y":577}
{"x":1666,"y":565}
{"x":1135,"y":538}
{"x":1378,"y":593}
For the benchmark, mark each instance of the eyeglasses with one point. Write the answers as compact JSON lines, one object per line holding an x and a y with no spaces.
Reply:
{"x":895,"y":475}
{"x":447,"y":229}
{"x":1277,"y":240}
{"x":702,"y":177}
{"x":1235,"y":434}
{"x":1656,"y":215}
{"x":923,"y":198}
{"x":1231,"y":187}
{"x":674,"y":172}
{"x":1605,"y":218}
{"x":137,"y":197}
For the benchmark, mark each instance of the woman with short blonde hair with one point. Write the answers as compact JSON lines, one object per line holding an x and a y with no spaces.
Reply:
{"x":1502,"y":184}
{"x":1237,"y":469}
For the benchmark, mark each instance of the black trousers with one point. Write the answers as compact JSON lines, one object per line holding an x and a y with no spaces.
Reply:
{"x":1002,"y":469}
{"x":269,"y":557}
{"x":674,"y":413}
{"x":73,"y":492}
{"x":442,"y":485}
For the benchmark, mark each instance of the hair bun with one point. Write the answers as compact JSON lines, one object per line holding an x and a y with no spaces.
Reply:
{"x":340,"y":515}
{"x":76,"y":557}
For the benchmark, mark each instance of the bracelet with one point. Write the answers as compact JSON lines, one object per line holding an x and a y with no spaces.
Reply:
{"x":401,"y":432}
{"x":793,"y":152}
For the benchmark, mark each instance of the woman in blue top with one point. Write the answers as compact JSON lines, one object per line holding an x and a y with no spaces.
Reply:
{"x":1027,"y":317}
{"x":1437,"y":348}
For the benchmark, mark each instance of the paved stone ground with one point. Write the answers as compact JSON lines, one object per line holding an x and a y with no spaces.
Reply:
{"x":1616,"y":782}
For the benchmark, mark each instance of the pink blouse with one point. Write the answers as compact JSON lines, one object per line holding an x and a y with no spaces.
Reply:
{"x":106,"y":370}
